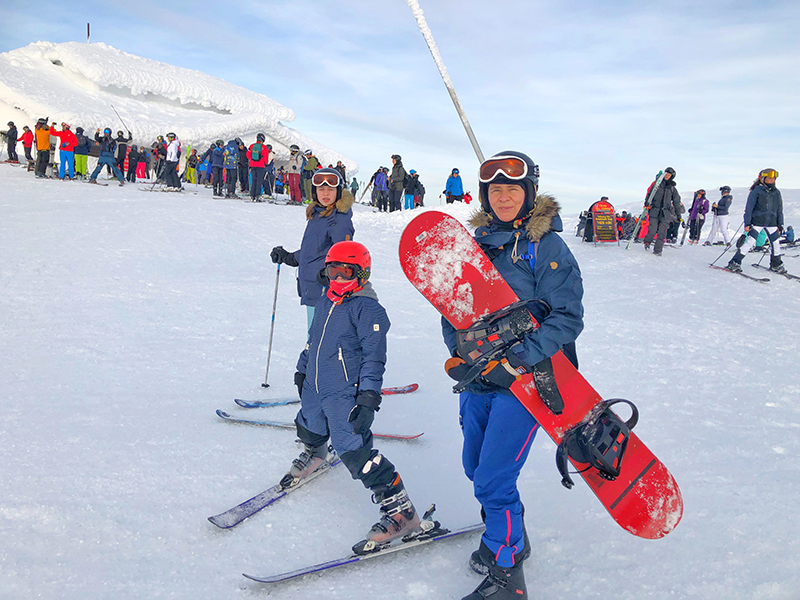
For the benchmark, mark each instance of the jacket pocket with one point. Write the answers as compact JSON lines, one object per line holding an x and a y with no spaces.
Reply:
{"x":344,"y":364}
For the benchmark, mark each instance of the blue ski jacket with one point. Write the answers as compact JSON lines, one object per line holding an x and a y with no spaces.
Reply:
{"x":454,"y":186}
{"x":724,"y":204}
{"x":230,"y":156}
{"x":346,"y":349}
{"x":554,"y":278}
{"x":324,"y":228}
{"x":764,"y":207}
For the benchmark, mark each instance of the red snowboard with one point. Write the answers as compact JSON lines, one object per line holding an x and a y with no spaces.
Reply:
{"x":446,"y":265}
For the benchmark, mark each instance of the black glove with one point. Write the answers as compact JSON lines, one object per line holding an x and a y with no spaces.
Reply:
{"x":504,"y":372}
{"x":456,"y":368}
{"x":363,"y":413}
{"x":280,"y":255}
{"x":299,"y":378}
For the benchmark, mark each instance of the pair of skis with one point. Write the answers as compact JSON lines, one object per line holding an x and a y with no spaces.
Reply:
{"x":407,"y":389}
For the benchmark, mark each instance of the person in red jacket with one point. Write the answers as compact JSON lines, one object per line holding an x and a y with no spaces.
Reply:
{"x":258,"y":157}
{"x":66,"y":149}
{"x":27,"y":142}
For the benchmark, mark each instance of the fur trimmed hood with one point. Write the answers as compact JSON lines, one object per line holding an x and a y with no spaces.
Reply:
{"x":343,"y":205}
{"x":537,"y":224}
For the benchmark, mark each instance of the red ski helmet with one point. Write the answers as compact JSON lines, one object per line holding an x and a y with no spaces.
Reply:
{"x":351,"y":262}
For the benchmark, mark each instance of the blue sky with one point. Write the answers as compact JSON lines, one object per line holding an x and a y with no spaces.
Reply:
{"x":601,"y":95}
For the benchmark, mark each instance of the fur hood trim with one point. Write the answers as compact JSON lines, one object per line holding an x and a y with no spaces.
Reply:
{"x":538,"y":224}
{"x":343,"y":204}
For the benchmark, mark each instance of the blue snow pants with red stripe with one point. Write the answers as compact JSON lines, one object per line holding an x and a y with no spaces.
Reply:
{"x":498,"y":433}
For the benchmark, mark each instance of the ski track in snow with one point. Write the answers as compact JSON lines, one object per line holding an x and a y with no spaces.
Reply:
{"x":128,"y":318}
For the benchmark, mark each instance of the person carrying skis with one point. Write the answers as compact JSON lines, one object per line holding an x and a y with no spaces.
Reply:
{"x":697,"y":216}
{"x":664,"y":209}
{"x":454,"y":188}
{"x":107,"y":147}
{"x":339,"y":377}
{"x":763,"y":211}
{"x":518,"y":230}
{"x":721,"y":216}
{"x":330,"y":220}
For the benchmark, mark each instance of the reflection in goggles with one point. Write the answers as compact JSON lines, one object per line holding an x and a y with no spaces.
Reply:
{"x":344,"y":270}
{"x":331,"y":179}
{"x":509,"y":166}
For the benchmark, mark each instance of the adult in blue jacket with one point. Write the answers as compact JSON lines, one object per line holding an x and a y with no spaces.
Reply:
{"x":454,"y":188}
{"x":330,"y":220}
{"x":763,"y":211}
{"x":107,"y":148}
{"x":517,"y":229}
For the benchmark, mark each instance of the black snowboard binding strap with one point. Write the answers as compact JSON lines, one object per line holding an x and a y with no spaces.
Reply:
{"x":599,"y":440}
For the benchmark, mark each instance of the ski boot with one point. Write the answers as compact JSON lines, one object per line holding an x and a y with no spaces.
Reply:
{"x":776,"y":265}
{"x":735,"y":263}
{"x":311,"y":459}
{"x":502,"y":583}
{"x":483,"y":558}
{"x":398,"y":517}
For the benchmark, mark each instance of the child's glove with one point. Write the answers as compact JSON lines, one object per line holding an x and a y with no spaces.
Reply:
{"x":456,"y":368}
{"x":363,"y":413}
{"x":504,"y":372}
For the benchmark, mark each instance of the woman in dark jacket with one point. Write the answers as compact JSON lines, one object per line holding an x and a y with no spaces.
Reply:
{"x":330,"y":220}
{"x":133,"y":163}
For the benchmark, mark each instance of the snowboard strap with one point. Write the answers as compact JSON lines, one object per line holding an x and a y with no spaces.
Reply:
{"x":533,"y":248}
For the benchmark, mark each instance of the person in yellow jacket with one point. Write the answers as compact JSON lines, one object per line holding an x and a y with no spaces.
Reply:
{"x":42,"y":147}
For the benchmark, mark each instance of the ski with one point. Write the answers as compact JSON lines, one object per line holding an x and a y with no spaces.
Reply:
{"x":397,"y":546}
{"x":787,"y":275}
{"x":96,"y":183}
{"x":245,"y":510}
{"x":284,"y":425}
{"x":759,"y":279}
{"x":391,"y":391}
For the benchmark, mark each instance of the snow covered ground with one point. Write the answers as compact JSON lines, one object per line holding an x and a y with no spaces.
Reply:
{"x":127,"y":318}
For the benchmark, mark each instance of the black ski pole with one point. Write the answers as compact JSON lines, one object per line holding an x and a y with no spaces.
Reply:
{"x":120,"y":119}
{"x":726,"y":247}
{"x":272,"y":325}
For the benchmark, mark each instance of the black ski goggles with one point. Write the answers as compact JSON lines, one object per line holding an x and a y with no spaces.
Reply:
{"x":511,"y":167}
{"x":346,"y":271}
{"x":327,"y":178}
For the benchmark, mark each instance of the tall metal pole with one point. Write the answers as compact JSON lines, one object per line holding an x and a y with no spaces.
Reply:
{"x":88,"y":36}
{"x":426,"y":33}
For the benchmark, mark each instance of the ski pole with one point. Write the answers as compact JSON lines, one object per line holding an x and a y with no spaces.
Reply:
{"x":726,"y":247}
{"x":272,"y":326}
{"x":426,"y":33}
{"x":120,"y":118}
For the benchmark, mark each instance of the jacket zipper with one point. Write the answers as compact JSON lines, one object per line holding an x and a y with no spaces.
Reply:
{"x":322,"y":337}
{"x":344,"y":366}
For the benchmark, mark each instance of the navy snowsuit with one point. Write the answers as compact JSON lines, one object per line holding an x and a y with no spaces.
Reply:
{"x":345,"y":354}
{"x":498,"y":430}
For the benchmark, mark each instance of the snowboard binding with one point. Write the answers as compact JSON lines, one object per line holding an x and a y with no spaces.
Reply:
{"x":600,"y":440}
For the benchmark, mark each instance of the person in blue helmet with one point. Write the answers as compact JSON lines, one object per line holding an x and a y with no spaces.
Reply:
{"x":518,"y":230}
{"x":108,"y":147}
{"x":329,"y":220}
{"x":454,"y":188}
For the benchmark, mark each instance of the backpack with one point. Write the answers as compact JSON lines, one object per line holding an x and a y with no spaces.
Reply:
{"x":255,"y":152}
{"x":406,"y":180}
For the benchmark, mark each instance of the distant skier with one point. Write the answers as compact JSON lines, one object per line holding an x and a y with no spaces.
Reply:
{"x":517,"y":229}
{"x":66,"y":150}
{"x":382,"y":189}
{"x":269,"y":176}
{"x":419,"y":199}
{"x":342,"y":170}
{"x":82,"y":153}
{"x":11,"y":137}
{"x":107,"y":148}
{"x":122,"y":148}
{"x":397,"y":182}
{"x":664,"y":209}
{"x":697,"y":216}
{"x":330,"y":220}
{"x":133,"y":164}
{"x":354,"y":187}
{"x":763,"y":211}
{"x":231,"y":164}
{"x":454,"y":187}
{"x":339,"y":377}
{"x":217,"y":160}
{"x":42,"y":147}
{"x":258,"y":157}
{"x":293,"y":172}
{"x":171,"y":164}
{"x":244,"y":167}
{"x":788,"y":237}
{"x":27,"y":142}
{"x":410,"y":190}
{"x":310,"y":166}
{"x":721,"y":208}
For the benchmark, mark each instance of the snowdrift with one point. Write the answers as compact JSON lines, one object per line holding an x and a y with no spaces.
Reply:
{"x":79,"y":83}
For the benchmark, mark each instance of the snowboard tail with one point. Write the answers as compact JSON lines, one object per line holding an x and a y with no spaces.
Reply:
{"x":443,"y":261}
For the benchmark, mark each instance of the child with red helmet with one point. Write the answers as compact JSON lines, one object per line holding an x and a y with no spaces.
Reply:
{"x":339,"y":377}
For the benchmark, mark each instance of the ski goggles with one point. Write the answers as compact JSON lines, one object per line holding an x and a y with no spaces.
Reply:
{"x":344,"y":270}
{"x":511,"y":167}
{"x":768,"y":173}
{"x":327,"y":178}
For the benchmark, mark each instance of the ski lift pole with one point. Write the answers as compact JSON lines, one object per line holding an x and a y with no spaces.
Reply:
{"x":272,"y":326}
{"x":426,"y":33}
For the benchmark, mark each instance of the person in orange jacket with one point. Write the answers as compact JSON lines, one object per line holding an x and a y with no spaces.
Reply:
{"x":42,"y":147}
{"x":66,"y":149}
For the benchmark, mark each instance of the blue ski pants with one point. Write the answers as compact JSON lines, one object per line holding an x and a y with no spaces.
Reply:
{"x":107,"y":160}
{"x":498,"y":433}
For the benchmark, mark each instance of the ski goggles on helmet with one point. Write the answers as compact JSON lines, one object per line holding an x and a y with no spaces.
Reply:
{"x":107,"y":130}
{"x":511,"y":167}
{"x":346,"y":271}
{"x":327,"y":178}
{"x":768,"y":173}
